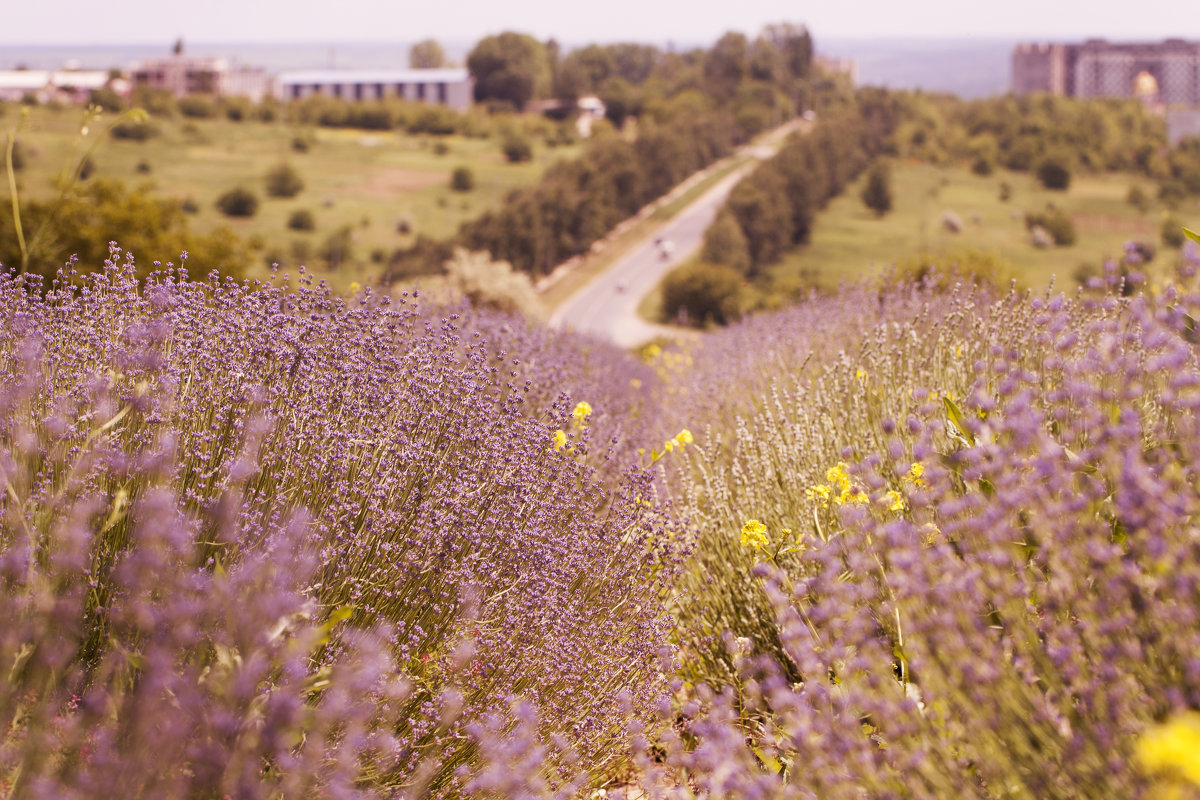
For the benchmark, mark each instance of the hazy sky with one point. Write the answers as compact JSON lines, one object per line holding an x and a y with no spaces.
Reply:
{"x":137,"y":21}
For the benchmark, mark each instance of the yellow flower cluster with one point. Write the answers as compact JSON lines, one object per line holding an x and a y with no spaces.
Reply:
{"x":581,"y":412}
{"x":915,"y":473}
{"x":560,"y":439}
{"x":754,"y":534}
{"x":840,"y":488}
{"x":1173,"y":748}
{"x":679,"y":441}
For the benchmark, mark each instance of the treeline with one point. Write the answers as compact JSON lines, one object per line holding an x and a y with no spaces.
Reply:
{"x":1019,"y":133}
{"x":772,"y":209}
{"x":691,"y":108}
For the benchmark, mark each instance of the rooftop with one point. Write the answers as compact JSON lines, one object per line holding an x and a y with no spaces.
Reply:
{"x":374,"y":76}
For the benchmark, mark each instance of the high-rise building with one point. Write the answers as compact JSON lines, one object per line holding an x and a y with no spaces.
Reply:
{"x":1166,"y":72}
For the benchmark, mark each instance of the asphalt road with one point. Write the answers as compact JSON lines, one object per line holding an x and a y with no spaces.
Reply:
{"x":607,"y":305}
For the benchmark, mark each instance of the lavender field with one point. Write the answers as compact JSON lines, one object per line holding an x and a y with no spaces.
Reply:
{"x":905,"y":540}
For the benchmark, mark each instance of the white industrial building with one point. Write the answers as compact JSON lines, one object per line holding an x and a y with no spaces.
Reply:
{"x":65,"y":85}
{"x":453,"y":88}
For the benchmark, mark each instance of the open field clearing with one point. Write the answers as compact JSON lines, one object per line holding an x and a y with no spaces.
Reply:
{"x":370,"y":181}
{"x":849,"y":241}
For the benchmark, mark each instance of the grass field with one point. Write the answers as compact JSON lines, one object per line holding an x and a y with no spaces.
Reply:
{"x":849,"y":241}
{"x":368,"y":180}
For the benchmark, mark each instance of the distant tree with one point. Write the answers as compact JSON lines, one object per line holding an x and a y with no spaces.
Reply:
{"x":238,"y":202}
{"x":725,"y":243}
{"x":795,"y":48}
{"x":283,"y":180}
{"x":727,"y":64}
{"x":760,"y":205}
{"x":462,"y":179}
{"x":511,"y":67}
{"x":877,"y":192}
{"x":702,"y":294}
{"x":516,"y":147}
{"x":177,"y":48}
{"x":1053,"y":173}
{"x":426,"y":54}
{"x":765,"y":62}
{"x":301,"y":220}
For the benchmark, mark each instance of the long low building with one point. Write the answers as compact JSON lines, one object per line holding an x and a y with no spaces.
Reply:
{"x":61,"y":85}
{"x":448,"y":87}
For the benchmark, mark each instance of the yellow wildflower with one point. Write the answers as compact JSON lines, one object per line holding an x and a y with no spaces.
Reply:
{"x":851,"y":494}
{"x":819,"y":493}
{"x":636,"y":383}
{"x":894,"y":500}
{"x":582,"y":411}
{"x":684,"y":437}
{"x":838,"y":476}
{"x":668,"y":445}
{"x":1173,"y":748}
{"x":914,"y":474}
{"x":861,"y":375}
{"x":560,"y":440}
{"x":354,"y":286}
{"x":652,"y":351}
{"x":754,"y":534}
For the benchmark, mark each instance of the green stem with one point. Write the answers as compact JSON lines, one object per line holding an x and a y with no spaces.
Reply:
{"x":12,"y":190}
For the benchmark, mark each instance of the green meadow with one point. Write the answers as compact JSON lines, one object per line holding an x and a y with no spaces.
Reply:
{"x":386,"y":186}
{"x":848,"y":240}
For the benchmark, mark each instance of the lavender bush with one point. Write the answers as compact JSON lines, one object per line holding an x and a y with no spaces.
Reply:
{"x":948,"y":572}
{"x":230,"y":496}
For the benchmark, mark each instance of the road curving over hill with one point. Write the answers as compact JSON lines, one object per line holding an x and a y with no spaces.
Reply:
{"x":607,"y":306}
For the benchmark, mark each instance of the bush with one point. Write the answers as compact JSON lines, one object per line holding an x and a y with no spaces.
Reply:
{"x":238,"y":202}
{"x":301,"y":144}
{"x":284,"y":181}
{"x":982,"y":166}
{"x":877,"y":192}
{"x":516,"y":147}
{"x":301,"y":220}
{"x":725,"y":243}
{"x":1138,"y":198}
{"x":1054,"y":221}
{"x":1053,"y":173}
{"x":462,"y":180}
{"x":702,"y":294}
{"x":134,"y":131}
{"x":188,"y":205}
{"x":1172,"y":232}
{"x":197,"y":107}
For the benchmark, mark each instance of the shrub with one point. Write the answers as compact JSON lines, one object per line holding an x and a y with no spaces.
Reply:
{"x":462,"y":180}
{"x":440,"y":148}
{"x":516,"y":147}
{"x":134,"y":131}
{"x":1138,"y":198}
{"x":301,"y":144}
{"x":491,"y":284}
{"x":188,"y":205}
{"x":702,"y":294}
{"x":1053,"y":173}
{"x":1054,"y":221}
{"x":143,"y":167}
{"x":877,"y":191}
{"x":1172,"y":232}
{"x":197,"y":107}
{"x":1005,"y":192}
{"x":982,"y":166}
{"x":284,"y":181}
{"x":301,"y":220}
{"x":725,"y":243}
{"x":238,"y":202}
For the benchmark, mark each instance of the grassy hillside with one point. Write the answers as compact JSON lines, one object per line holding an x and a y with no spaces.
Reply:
{"x":849,"y":240}
{"x":368,"y":180}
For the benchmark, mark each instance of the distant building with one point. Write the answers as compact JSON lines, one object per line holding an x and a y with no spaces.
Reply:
{"x":64,"y":86}
{"x":1159,"y":73}
{"x":453,"y":88}
{"x":184,"y":75}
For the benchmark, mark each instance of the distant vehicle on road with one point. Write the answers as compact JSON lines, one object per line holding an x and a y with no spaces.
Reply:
{"x":665,"y":248}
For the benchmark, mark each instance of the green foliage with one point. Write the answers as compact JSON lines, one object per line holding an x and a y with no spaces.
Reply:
{"x":510,"y":67}
{"x":197,"y":107}
{"x":426,"y":54}
{"x":759,"y":204}
{"x":877,"y":192}
{"x":725,"y":243}
{"x":490,"y":284}
{"x":1138,"y":199}
{"x":1056,"y":222}
{"x":702,"y":294}
{"x":462,"y":180}
{"x":135,"y":130}
{"x":238,"y":202}
{"x":1172,"y":232}
{"x":301,"y":220}
{"x":283,"y":180}
{"x":1054,"y":173}
{"x":301,"y":144}
{"x":338,"y":248}
{"x":85,"y":221}
{"x":156,"y":102}
{"x":516,"y":147}
{"x":106,"y":98}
